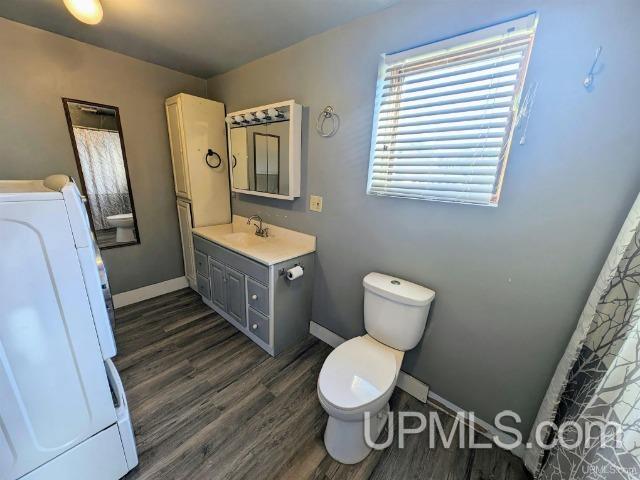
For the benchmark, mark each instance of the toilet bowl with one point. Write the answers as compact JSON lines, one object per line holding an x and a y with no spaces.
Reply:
{"x":360,"y":375}
{"x":357,"y":377}
{"x":124,"y":227}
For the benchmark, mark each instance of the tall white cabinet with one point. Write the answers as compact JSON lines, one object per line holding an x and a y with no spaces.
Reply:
{"x":196,"y":128}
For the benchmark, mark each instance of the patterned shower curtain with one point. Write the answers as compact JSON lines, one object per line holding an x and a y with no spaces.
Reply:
{"x":598,"y":378}
{"x":104,"y":175}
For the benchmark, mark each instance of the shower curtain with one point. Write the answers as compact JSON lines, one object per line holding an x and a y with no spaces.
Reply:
{"x":598,"y":378}
{"x":103,"y":172}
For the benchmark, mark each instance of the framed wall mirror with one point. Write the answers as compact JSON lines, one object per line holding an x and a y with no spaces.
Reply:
{"x":265,"y":144}
{"x":98,"y":146}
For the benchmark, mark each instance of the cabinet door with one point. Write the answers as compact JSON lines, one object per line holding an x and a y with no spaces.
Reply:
{"x":236,"y":300}
{"x":218,"y":281}
{"x":184,"y":220}
{"x":178,"y":155}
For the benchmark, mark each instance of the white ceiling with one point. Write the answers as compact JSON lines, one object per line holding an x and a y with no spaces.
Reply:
{"x":201,"y":37}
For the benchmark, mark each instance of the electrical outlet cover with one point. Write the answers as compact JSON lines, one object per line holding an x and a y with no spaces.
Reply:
{"x":315,"y":203}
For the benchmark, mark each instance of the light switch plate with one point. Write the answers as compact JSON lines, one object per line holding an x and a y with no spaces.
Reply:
{"x":315,"y":203}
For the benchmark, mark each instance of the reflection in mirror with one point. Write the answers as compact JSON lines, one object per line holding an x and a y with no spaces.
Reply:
{"x":240,"y":158}
{"x":260,"y":153}
{"x":266,"y":156}
{"x":96,"y":136}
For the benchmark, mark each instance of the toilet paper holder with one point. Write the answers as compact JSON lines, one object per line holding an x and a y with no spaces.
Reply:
{"x":283,"y":271}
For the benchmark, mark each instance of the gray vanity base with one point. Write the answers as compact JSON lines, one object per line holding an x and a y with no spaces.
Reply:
{"x":255,"y":298}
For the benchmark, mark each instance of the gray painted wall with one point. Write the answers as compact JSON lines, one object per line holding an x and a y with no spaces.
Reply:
{"x":511,"y":280}
{"x":38,"y":68}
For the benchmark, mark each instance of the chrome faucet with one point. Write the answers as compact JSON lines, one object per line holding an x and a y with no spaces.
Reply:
{"x":261,"y":232}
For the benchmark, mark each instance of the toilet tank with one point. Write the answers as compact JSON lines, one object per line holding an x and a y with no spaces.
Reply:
{"x":395,"y":311}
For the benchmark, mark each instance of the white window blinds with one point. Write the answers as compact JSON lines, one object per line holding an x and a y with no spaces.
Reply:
{"x":444,"y":115}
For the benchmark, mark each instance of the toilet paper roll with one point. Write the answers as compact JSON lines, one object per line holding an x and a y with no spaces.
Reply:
{"x":295,"y":272}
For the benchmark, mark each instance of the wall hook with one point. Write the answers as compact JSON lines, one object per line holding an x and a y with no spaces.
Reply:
{"x":588,"y":81}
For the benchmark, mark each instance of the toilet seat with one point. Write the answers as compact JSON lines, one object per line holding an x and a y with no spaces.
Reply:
{"x":359,"y":373}
{"x":121,"y":219}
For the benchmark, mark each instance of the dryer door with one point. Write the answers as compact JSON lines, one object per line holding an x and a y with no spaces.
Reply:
{"x":54,"y":391}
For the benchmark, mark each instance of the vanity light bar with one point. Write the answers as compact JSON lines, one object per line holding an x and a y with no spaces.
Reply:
{"x":256,"y":117}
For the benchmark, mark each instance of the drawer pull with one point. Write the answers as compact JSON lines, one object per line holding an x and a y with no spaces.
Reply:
{"x":254,"y":326}
{"x":254,"y":297}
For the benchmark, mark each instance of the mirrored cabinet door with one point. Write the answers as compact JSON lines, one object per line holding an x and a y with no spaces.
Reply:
{"x":265,"y":146}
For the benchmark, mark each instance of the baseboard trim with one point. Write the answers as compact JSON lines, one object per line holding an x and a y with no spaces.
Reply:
{"x":150,"y":291}
{"x":421,"y":391}
{"x":482,"y":427}
{"x":324,"y":334}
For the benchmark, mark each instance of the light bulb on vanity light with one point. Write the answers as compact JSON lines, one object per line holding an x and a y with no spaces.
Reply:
{"x":260,"y":115}
{"x":249,"y":117}
{"x":239,"y":119}
{"x":87,"y":11}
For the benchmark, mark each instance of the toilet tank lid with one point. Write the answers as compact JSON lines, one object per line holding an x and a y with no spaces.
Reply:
{"x":398,"y":290}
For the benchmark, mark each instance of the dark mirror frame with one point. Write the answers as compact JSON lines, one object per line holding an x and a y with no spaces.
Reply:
{"x":67,"y":113}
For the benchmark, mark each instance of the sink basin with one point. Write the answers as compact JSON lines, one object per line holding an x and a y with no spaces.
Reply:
{"x":243,"y":238}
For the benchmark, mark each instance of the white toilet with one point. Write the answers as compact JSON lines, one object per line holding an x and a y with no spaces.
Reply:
{"x":359,"y":375}
{"x":124,"y":227}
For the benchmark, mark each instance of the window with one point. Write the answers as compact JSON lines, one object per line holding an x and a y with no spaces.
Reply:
{"x":444,"y":115}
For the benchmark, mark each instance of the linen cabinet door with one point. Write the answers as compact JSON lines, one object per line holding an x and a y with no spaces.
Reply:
{"x":184,"y":222}
{"x":236,"y":299}
{"x":178,"y":155}
{"x":218,"y":287}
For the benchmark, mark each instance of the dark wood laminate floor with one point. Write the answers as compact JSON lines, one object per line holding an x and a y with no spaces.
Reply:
{"x":207,"y":403}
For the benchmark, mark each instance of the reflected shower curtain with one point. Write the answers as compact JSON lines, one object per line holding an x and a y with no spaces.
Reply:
{"x":598,"y":378}
{"x":104,"y":175}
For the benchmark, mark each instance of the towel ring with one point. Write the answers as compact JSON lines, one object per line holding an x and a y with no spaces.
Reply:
{"x":211,"y":153}
{"x":326,"y":114}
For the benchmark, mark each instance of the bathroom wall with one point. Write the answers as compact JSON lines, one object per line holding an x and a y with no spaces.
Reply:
{"x":510,"y":281}
{"x":38,"y":68}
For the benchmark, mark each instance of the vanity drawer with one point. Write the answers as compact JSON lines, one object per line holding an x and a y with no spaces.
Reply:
{"x":258,"y":296}
{"x":204,"y":288}
{"x":259,"y":325}
{"x":202,"y":264}
{"x":234,"y":260}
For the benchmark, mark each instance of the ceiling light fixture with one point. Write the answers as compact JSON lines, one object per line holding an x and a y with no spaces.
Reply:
{"x":87,"y":11}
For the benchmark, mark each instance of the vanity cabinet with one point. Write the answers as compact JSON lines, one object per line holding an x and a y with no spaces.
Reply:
{"x":254,"y":297}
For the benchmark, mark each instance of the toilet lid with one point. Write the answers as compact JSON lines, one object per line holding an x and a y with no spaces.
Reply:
{"x":357,"y":372}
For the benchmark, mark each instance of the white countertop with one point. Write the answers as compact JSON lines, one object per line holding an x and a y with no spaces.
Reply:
{"x":282,"y":244}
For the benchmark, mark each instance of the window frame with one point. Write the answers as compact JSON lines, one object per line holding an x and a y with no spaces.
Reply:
{"x":449,"y":45}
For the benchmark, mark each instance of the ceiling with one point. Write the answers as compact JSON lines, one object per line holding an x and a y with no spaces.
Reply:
{"x":201,"y":37}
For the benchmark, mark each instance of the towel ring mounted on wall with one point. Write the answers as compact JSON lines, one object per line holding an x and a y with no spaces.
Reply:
{"x":327,"y":114}
{"x":211,"y":153}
